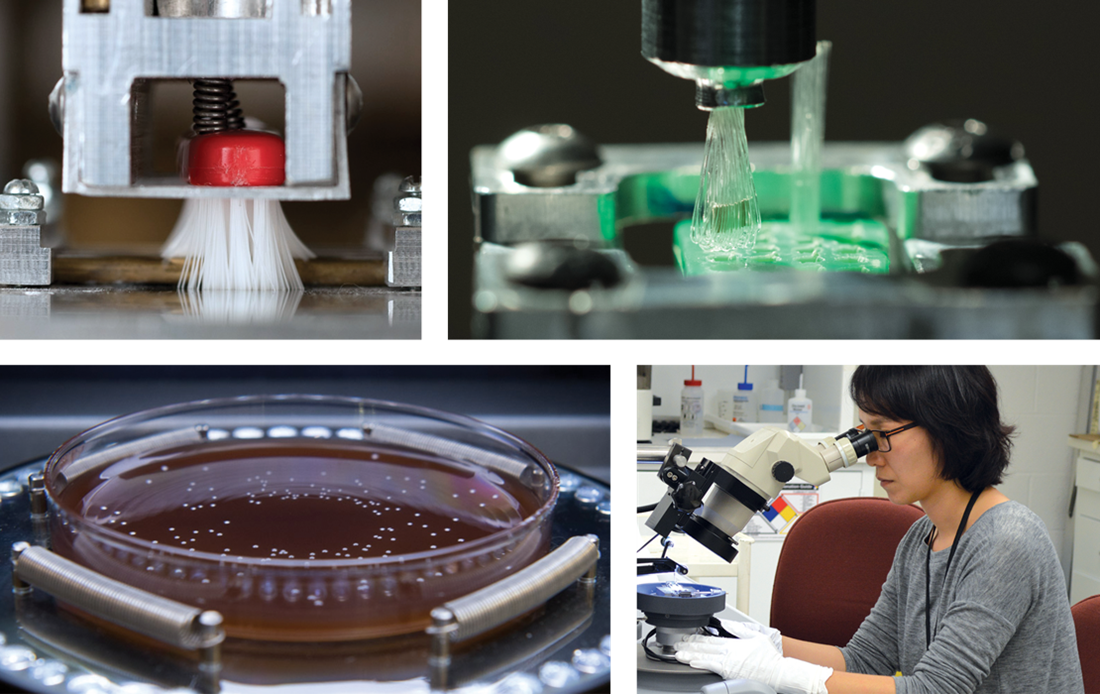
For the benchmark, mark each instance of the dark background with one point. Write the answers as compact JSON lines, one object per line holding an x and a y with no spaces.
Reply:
{"x":564,"y":411}
{"x":1027,"y":69}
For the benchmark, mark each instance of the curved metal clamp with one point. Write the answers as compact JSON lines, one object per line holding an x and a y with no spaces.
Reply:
{"x":510,"y":597}
{"x":137,"y":610}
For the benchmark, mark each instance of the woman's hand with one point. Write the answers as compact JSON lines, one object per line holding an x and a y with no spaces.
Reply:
{"x":753,"y":658}
{"x":751,"y":630}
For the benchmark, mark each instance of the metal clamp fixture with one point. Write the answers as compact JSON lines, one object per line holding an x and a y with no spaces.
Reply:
{"x":113,"y":59}
{"x":23,"y":262}
{"x":165,"y":620}
{"x":403,"y":262}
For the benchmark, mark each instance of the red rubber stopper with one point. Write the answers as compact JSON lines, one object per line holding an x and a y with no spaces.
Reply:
{"x":236,"y":158}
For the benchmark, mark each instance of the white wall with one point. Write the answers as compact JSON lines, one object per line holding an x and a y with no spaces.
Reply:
{"x":827,"y":386}
{"x":1043,"y":403}
{"x":669,"y":381}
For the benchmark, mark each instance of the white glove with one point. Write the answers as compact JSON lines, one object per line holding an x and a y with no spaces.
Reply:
{"x":753,"y":630}
{"x":753,"y":659}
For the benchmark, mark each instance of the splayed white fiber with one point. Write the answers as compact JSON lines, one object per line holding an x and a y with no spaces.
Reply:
{"x":217,"y":307}
{"x":235,"y":244}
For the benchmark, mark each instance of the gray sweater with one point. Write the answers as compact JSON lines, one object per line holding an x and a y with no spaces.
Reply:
{"x":1000,"y":623}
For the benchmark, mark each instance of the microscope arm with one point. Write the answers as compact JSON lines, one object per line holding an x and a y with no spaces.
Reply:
{"x":769,"y":458}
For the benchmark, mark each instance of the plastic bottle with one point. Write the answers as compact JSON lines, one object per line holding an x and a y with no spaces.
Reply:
{"x":744,"y":401}
{"x":771,"y":403}
{"x":800,"y":411}
{"x":725,"y":404}
{"x":691,"y":406}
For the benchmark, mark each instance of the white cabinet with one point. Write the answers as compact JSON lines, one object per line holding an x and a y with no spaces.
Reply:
{"x":1085,"y":579}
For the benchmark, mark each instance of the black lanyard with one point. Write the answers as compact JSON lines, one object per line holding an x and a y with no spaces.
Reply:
{"x":928,"y":570}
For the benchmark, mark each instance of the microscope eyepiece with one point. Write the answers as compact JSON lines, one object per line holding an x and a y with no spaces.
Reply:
{"x":862,"y":441}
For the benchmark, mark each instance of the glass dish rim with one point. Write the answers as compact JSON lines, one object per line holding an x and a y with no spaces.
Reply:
{"x":457,"y":552}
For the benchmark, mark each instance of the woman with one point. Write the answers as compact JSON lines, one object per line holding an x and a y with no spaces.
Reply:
{"x":975,"y":600}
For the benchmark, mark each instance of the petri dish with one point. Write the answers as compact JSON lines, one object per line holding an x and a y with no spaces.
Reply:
{"x":300,"y":517}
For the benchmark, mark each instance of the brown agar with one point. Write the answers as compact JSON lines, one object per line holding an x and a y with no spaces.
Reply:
{"x":300,"y":539}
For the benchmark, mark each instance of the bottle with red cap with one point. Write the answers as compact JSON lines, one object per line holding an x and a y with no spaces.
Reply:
{"x":691,"y":407}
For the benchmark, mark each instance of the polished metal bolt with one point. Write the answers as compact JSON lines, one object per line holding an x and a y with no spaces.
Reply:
{"x":408,"y":204}
{"x":21,"y":186}
{"x":548,"y":156}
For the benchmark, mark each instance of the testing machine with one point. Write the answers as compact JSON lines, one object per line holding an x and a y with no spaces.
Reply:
{"x":934,"y":235}
{"x":118,"y":55}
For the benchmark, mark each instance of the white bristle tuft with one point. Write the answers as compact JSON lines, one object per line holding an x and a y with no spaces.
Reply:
{"x":235,"y":244}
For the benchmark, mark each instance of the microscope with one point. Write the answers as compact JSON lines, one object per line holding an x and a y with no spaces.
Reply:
{"x":934,"y":234}
{"x":712,"y":503}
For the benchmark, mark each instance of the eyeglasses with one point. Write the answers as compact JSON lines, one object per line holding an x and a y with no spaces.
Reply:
{"x":882,"y":438}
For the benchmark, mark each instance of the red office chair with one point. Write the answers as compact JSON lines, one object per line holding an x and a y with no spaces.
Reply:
{"x":1086,"y":618}
{"x":833,"y":564}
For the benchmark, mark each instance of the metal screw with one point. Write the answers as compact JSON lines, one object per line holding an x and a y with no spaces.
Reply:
{"x":209,"y":627}
{"x":560,"y":265}
{"x":408,"y":204}
{"x":548,"y":156}
{"x":21,"y":196}
{"x":18,"y":585}
{"x":353,"y":99}
{"x":36,"y":484}
{"x":410,"y":184}
{"x":21,"y":186}
{"x":57,"y":106}
{"x":961,"y":151}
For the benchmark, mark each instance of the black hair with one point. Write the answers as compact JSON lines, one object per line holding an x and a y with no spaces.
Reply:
{"x":956,"y":405}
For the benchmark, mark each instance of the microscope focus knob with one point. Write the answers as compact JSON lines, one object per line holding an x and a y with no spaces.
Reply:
{"x":783,"y":471}
{"x":687,"y":496}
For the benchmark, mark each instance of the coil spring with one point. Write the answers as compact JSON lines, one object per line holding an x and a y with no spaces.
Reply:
{"x":524,"y":590}
{"x":216,"y":107}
